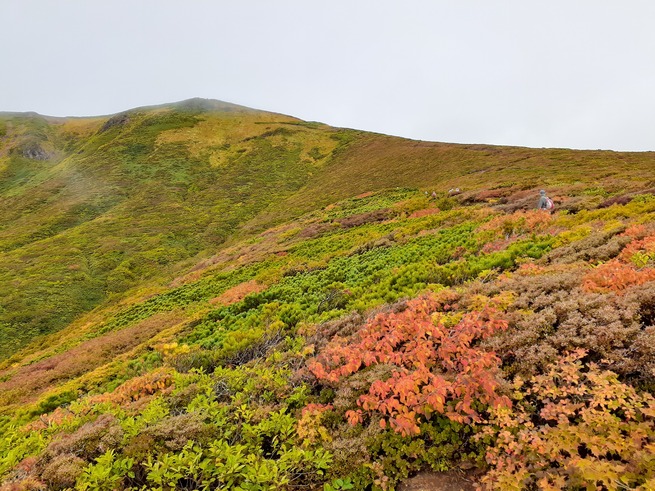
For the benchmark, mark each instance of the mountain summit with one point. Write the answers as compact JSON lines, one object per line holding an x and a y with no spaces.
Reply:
{"x":195,"y":104}
{"x":210,"y":105}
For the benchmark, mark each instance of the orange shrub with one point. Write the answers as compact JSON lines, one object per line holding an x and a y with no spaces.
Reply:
{"x":629,"y":268}
{"x":56,"y":417}
{"x":238,"y":293}
{"x":531,"y":269}
{"x":496,"y":245}
{"x":616,"y":276}
{"x":425,"y":213}
{"x":159,"y":380}
{"x":435,"y":368}
{"x":640,"y":251}
{"x":518,"y":223}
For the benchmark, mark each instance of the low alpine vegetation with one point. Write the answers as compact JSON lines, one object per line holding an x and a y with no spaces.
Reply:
{"x":348,"y":334}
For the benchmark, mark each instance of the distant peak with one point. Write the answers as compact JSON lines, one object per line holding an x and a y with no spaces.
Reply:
{"x":195,"y":104}
{"x":210,"y":105}
{"x":18,"y":114}
{"x":198,"y":104}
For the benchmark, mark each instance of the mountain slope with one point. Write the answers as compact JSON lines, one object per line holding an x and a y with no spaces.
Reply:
{"x":356,"y":345}
{"x":91,"y":207}
{"x":120,"y":201}
{"x":202,"y":295}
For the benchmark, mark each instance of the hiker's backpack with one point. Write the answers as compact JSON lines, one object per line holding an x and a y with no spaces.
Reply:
{"x":549,"y":204}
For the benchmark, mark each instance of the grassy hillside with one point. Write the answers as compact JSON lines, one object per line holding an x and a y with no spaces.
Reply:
{"x":91,"y":208}
{"x":255,"y":302}
{"x":115,"y":203}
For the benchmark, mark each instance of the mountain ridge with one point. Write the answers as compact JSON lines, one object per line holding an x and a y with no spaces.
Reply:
{"x":199,"y":104}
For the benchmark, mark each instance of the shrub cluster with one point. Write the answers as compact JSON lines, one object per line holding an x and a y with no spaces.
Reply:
{"x":574,"y":427}
{"x":435,"y":367}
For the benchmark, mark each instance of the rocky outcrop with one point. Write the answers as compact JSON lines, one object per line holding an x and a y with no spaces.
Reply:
{"x":117,"y":120}
{"x":34,"y":151}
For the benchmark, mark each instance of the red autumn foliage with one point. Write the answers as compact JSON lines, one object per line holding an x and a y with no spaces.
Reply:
{"x":436,"y":368}
{"x":629,"y":268}
{"x":364,"y":218}
{"x":616,"y":276}
{"x":30,"y":380}
{"x":489,"y":194}
{"x":238,"y":293}
{"x":425,"y":213}
{"x":159,"y":380}
{"x":56,"y":417}
{"x":496,"y":245}
{"x":517,"y":224}
{"x":644,"y":245}
{"x":636,"y":231}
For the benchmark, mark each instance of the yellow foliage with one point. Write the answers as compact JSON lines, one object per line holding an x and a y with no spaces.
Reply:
{"x":309,"y":428}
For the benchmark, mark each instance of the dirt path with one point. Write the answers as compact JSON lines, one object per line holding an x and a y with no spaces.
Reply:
{"x":440,"y":481}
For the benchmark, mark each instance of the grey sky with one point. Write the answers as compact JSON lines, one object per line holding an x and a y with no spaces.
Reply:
{"x":556,"y":73}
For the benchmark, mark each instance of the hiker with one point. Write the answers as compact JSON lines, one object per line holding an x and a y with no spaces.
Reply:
{"x":545,"y":203}
{"x":434,"y":195}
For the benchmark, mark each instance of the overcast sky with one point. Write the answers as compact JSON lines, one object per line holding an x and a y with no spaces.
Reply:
{"x":552,"y":73}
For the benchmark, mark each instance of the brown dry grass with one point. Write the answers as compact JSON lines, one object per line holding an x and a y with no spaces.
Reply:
{"x":31,"y":380}
{"x":440,"y":481}
{"x":374,"y":162}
